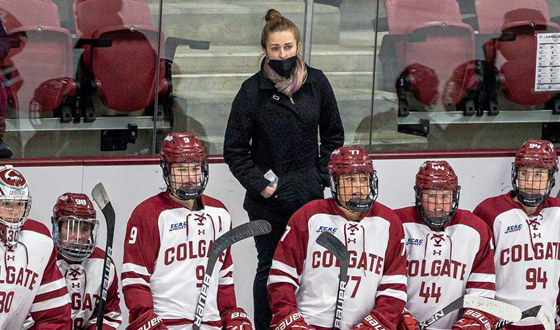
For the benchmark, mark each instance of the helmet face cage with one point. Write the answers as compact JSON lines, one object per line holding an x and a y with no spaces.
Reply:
{"x":347,"y":185}
{"x":437,"y":193}
{"x":529,"y":185}
{"x":75,"y":237}
{"x":357,"y":204}
{"x":532,"y":160}
{"x":15,"y":204}
{"x":441,"y":204}
{"x":187,"y":183}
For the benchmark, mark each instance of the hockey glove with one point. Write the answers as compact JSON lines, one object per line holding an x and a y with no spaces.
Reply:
{"x":236,"y":319}
{"x":146,"y":321}
{"x":407,"y":322}
{"x":475,"y":319}
{"x":372,"y":322}
{"x":294,"y":320}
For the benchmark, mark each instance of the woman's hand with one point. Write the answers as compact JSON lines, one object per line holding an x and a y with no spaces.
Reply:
{"x":268,"y":191}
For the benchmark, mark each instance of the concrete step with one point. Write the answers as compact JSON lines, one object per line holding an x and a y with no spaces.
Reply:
{"x":240,"y":23}
{"x":233,"y":81}
{"x":247,"y":59}
{"x":206,"y":114}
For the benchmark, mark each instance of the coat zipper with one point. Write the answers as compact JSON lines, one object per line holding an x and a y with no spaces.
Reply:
{"x":291,"y":99}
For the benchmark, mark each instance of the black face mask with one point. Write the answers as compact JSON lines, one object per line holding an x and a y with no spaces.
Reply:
{"x":284,"y":67}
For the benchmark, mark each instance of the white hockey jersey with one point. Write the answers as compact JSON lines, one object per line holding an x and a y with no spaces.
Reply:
{"x":304,"y":274}
{"x":527,"y":252}
{"x":165,"y":254}
{"x":83,"y":281}
{"x":443,"y":266}
{"x":30,"y":282}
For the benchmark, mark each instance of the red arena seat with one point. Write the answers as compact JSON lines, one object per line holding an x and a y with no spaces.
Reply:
{"x":39,"y":66}
{"x":434,"y":52}
{"x":513,"y":56}
{"x":125,"y":71}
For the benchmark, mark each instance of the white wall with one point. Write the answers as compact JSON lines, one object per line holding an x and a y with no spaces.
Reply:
{"x":129,"y":185}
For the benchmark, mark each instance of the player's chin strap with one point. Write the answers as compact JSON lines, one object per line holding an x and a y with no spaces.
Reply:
{"x":187,"y":193}
{"x":530,"y":200}
{"x":358,"y":205}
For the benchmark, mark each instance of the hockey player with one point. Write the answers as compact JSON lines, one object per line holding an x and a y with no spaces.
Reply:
{"x":526,"y":226}
{"x":75,"y":232}
{"x":166,"y":248}
{"x":302,"y":285}
{"x":448,"y":251}
{"x":30,"y":282}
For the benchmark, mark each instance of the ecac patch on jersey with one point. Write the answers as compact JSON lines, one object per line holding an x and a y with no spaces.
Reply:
{"x":511,"y":229}
{"x":331,"y":230}
{"x":414,"y":241}
{"x":178,"y":225}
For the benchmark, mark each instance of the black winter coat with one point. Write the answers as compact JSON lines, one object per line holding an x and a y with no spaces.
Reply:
{"x":267,"y":130}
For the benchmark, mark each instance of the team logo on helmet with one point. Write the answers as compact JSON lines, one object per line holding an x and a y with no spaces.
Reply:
{"x":13,"y":187}
{"x":12,"y":178}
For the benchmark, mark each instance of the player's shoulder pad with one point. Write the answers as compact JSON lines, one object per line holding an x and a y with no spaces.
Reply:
{"x":552,"y":202}
{"x":36,"y":226}
{"x":304,"y":213}
{"x":495,"y":202}
{"x":97,"y":254}
{"x":317,"y":206}
{"x":491,"y":207}
{"x":212,"y":202}
{"x":467,"y":218}
{"x":382,"y":211}
{"x":150,"y":206}
{"x":407,"y":214}
{"x":151,"y":202}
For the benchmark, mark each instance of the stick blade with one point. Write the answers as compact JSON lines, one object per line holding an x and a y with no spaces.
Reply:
{"x":497,"y":308}
{"x":546,"y":318}
{"x":241,"y":232}
{"x":101,"y":198}
{"x":333,"y":244}
{"x":99,"y":195}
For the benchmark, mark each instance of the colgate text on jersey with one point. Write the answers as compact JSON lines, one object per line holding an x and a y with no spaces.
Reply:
{"x":445,"y":267}
{"x":20,"y":276}
{"x":189,"y":250}
{"x":524,"y":252}
{"x":365,"y":261}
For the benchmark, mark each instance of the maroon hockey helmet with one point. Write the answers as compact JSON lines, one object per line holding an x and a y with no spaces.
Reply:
{"x":183,"y":148}
{"x":348,"y":160}
{"x":15,"y":203}
{"x":75,"y":227}
{"x":539,"y":154}
{"x":436,"y":175}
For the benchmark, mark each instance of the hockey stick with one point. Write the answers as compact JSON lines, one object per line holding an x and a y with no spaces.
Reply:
{"x":246,"y":230}
{"x":336,"y":247}
{"x":499,"y":309}
{"x":100,"y":197}
{"x":539,"y":311}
